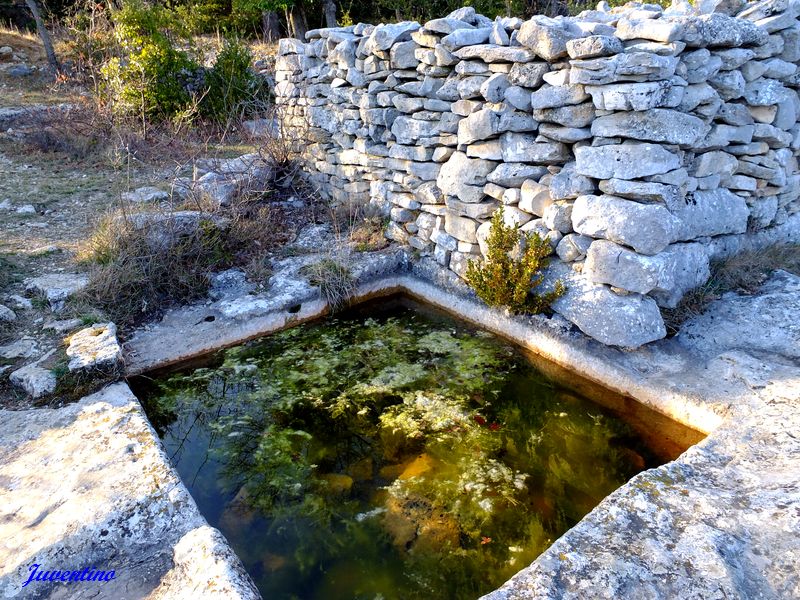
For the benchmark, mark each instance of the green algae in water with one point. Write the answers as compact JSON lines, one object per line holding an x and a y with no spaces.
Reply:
{"x":402,"y":455}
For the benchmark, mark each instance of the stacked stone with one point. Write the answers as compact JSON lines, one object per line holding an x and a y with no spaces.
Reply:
{"x":627,"y":138}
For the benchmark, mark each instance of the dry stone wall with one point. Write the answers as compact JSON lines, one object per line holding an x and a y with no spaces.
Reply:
{"x":627,"y":137}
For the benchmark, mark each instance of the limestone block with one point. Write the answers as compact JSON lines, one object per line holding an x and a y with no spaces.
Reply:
{"x":94,"y":347}
{"x":629,"y":321}
{"x":460,"y":176}
{"x":550,"y":96}
{"x":573,"y":246}
{"x":711,"y":212}
{"x":625,"y":161}
{"x":636,"y":66}
{"x":635,"y":96}
{"x":594,"y":46}
{"x":655,"y":125}
{"x":534,"y":197}
{"x":461,"y":228}
{"x":521,"y":147}
{"x":546,"y":37}
{"x":658,"y":30}
{"x":647,"y":228}
{"x":667,"y":276}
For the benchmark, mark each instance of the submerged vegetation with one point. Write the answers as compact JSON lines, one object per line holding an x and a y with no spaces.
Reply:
{"x":397,"y":456}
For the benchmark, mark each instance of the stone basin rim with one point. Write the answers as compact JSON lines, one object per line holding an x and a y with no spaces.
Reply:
{"x":686,"y":409}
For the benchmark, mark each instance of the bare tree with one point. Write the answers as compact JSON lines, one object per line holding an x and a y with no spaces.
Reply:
{"x":329,"y":8}
{"x":296,"y":17}
{"x":270,"y":25}
{"x":52,"y":60}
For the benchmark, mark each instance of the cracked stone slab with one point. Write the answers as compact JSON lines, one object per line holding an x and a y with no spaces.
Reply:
{"x":57,"y":287}
{"x":89,"y":485}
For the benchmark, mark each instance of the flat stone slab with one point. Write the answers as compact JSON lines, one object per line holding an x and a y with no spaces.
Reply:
{"x":747,"y":323}
{"x":89,"y":486}
{"x":94,"y":347}
{"x":57,"y":287}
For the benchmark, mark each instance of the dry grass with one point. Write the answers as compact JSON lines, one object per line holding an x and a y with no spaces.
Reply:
{"x":137,"y":271}
{"x":363,"y":225}
{"x":334,"y":279}
{"x":743,"y":273}
{"x":27,"y":41}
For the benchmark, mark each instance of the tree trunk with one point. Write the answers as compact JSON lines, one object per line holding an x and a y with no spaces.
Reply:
{"x":329,"y":8}
{"x":45,"y":35}
{"x":297,"y":21}
{"x":271,"y":26}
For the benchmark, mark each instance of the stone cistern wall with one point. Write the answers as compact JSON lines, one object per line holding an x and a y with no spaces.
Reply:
{"x":630,"y":138}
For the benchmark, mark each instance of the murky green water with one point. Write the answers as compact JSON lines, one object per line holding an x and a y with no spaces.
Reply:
{"x":396,"y":455}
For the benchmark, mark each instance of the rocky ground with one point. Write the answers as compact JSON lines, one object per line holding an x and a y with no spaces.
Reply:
{"x":60,"y":178}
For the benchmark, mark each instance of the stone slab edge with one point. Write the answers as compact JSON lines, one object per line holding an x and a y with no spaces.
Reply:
{"x":89,"y":485}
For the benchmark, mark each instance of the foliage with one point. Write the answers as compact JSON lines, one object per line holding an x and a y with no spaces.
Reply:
{"x":89,"y":42}
{"x":151,"y":78}
{"x":203,"y":16}
{"x":505,"y":279}
{"x":348,"y":435}
{"x":230,"y":82}
{"x":154,"y":70}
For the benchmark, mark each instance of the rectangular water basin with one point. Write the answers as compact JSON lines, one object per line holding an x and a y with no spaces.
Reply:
{"x":394,"y":452}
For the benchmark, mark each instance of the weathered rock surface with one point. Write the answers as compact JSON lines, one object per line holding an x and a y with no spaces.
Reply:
{"x":94,"y":347}
{"x":145,"y":195}
{"x":6,"y":314}
{"x":654,"y":125}
{"x":625,"y":161}
{"x":711,"y":212}
{"x":636,"y":321}
{"x":647,"y":228}
{"x":464,"y":177}
{"x":108,"y":498}
{"x":750,"y":323}
{"x":36,"y":381}
{"x":57,"y":287}
{"x":667,"y":276}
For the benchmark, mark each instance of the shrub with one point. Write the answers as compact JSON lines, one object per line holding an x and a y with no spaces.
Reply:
{"x":151,"y":78}
{"x":132,"y":277}
{"x":231,"y":85}
{"x":505,"y":279}
{"x":89,"y":42}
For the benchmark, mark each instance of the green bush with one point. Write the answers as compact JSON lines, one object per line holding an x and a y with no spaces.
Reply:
{"x":505,"y":279}
{"x":231,"y":85}
{"x":203,"y":16}
{"x":152,"y":77}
